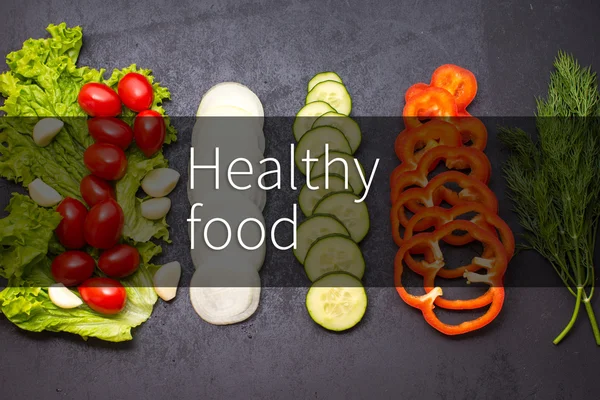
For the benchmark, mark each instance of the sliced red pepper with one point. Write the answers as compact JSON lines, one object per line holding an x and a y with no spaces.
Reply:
{"x":428,"y":103}
{"x":435,"y":193}
{"x":463,"y":113}
{"x":412,"y":144}
{"x":495,"y":265}
{"x":467,"y":157}
{"x":460,"y":82}
{"x":438,"y":216}
{"x":414,"y":89}
{"x":472,"y":131}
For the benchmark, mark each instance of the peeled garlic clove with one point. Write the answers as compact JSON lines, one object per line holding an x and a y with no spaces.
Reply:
{"x":43,"y":194}
{"x":156,"y":208}
{"x":166,"y":280}
{"x":160,"y":182}
{"x":45,"y":130}
{"x":62,"y":297}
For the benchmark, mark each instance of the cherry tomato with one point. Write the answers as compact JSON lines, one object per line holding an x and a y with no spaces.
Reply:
{"x":70,"y":229}
{"x":149,"y":131}
{"x":460,"y":82}
{"x":104,"y":224}
{"x":94,"y":190}
{"x":429,"y":103}
{"x":99,"y":100}
{"x":135,"y":91}
{"x":72,"y":267}
{"x":103,"y":295}
{"x":120,"y":261}
{"x":110,"y":130}
{"x":106,"y":161}
{"x":414,"y":89}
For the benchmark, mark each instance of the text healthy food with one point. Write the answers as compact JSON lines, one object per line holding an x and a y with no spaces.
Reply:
{"x":82,"y":144}
{"x":337,"y":218}
{"x":555,"y":181}
{"x":439,"y":129}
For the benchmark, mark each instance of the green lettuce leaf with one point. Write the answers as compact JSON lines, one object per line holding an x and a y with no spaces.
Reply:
{"x":24,"y":235}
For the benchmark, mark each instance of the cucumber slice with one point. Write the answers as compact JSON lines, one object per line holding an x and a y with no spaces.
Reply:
{"x":334,"y":253}
{"x":315,"y":140}
{"x":309,"y":198}
{"x":354,"y":216}
{"x":322,"y":77}
{"x":333,"y":93}
{"x":307,"y":116}
{"x":337,"y":168}
{"x":347,"y":125}
{"x":313,"y":228}
{"x":337,"y":301}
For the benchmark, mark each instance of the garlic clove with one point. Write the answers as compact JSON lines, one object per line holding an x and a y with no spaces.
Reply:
{"x":43,"y":194}
{"x":156,"y":208}
{"x":62,"y":297}
{"x":160,"y":182}
{"x":45,"y":131}
{"x":166,"y":280}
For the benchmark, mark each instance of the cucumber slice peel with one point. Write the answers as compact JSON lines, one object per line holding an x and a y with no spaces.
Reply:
{"x":333,"y":93}
{"x":322,"y":77}
{"x":309,"y":198}
{"x":334,"y":253}
{"x":354,"y":216}
{"x":315,"y":141}
{"x":347,"y":125}
{"x":313,"y":228}
{"x":337,"y":301}
{"x":307,"y":116}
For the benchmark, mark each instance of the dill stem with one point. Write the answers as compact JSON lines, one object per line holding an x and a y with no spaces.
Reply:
{"x":569,"y":326}
{"x":592,"y":318}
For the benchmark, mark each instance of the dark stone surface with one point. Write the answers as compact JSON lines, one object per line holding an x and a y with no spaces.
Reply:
{"x":379,"y":49}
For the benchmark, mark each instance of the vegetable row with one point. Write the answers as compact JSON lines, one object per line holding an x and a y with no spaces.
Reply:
{"x":439,"y":130}
{"x":336,"y":221}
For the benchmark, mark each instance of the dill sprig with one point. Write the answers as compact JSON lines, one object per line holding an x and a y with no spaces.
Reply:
{"x":554,"y":181}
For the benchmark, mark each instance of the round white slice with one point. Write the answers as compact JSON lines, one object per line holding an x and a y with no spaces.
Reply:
{"x":238,"y":116}
{"x":232,"y":94}
{"x":233,"y":208}
{"x":223,"y":292}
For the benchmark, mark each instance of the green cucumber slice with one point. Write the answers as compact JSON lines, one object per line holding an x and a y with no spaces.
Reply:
{"x":308,"y":198}
{"x":307,"y":116}
{"x":337,"y":301}
{"x":337,"y":167}
{"x":347,"y":125}
{"x":313,"y":228}
{"x":322,"y":77}
{"x":334,"y":253}
{"x":342,"y":205}
{"x":333,"y":93}
{"x":315,"y":140}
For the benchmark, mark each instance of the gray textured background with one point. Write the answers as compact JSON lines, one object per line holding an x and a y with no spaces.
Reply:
{"x":379,"y":48}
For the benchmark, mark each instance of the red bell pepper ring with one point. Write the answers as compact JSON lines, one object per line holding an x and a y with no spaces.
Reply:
{"x":414,"y":89}
{"x":412,"y":144}
{"x":496,"y":267}
{"x":438,"y":216}
{"x":435,"y":193}
{"x":429,"y":103}
{"x":460,"y":82}
{"x":473,"y":133}
{"x":479,"y":165}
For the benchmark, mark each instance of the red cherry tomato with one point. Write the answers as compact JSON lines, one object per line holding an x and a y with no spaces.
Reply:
{"x":104,"y":224}
{"x":94,"y":190}
{"x":70,"y":229}
{"x":99,"y":100}
{"x":106,"y":161}
{"x":72,"y":267}
{"x":110,"y":130}
{"x":103,"y":295}
{"x":149,"y":131}
{"x":120,"y":261}
{"x":135,"y":91}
